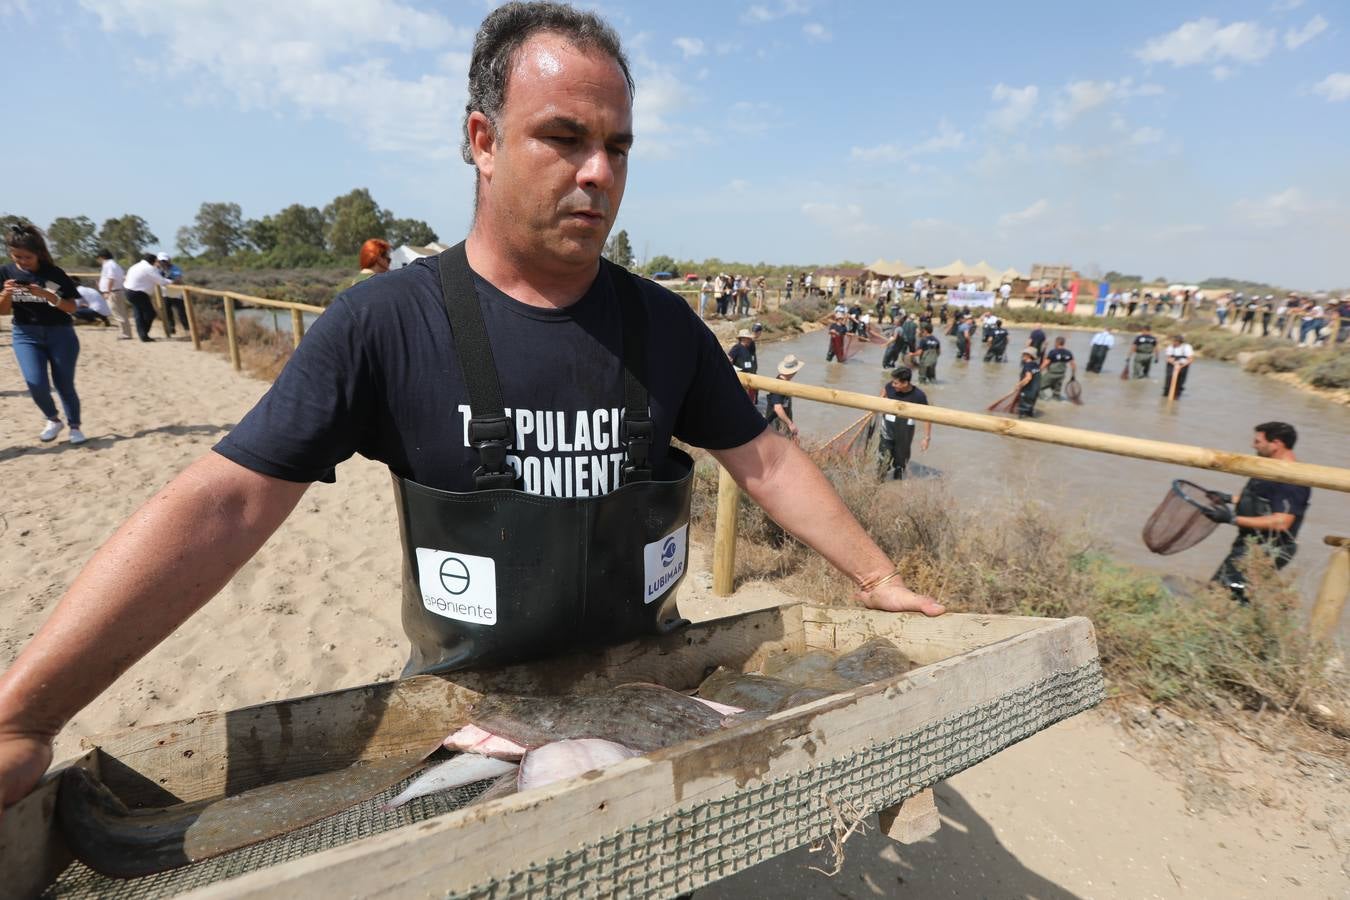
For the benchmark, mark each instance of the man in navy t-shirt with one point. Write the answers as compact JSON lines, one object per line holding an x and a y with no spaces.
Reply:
{"x":1268,"y":514}
{"x":378,"y":375}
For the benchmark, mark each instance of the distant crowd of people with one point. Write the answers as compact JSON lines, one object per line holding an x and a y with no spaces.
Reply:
{"x":1303,"y":320}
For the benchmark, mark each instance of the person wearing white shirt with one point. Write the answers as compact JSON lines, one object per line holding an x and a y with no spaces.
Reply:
{"x":90,"y":306}
{"x":142,"y":278}
{"x":1102,"y":342}
{"x":110,"y":278}
{"x":1005,"y":293}
{"x":1179,"y":359}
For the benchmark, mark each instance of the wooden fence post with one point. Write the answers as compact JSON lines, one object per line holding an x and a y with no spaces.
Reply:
{"x":1330,"y":602}
{"x":192,"y":320}
{"x":163,"y":309}
{"x":230,"y":335}
{"x":724,"y":534}
{"x":297,"y":326}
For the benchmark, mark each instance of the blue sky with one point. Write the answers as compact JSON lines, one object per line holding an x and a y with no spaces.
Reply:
{"x":1179,"y":139}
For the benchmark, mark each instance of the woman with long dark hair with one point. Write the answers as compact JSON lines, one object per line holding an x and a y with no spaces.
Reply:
{"x":41,"y":298}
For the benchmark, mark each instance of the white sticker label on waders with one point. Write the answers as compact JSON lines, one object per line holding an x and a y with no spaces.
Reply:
{"x":663,"y":563}
{"x":458,"y":586}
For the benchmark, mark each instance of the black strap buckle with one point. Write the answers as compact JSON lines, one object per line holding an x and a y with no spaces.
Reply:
{"x":491,"y":437}
{"x":636,"y":432}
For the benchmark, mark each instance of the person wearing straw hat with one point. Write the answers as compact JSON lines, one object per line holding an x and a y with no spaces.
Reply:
{"x":780,"y":405}
{"x":744,"y":358}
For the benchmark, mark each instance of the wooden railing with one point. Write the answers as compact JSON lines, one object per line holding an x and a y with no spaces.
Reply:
{"x":1330,"y":601}
{"x":231,"y":300}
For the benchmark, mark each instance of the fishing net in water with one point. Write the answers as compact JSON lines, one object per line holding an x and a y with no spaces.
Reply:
{"x":1006,"y":403}
{"x":851,"y":441}
{"x":1179,"y":522}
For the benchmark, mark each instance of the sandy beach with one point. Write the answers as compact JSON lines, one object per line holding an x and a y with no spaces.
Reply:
{"x":1088,"y":808}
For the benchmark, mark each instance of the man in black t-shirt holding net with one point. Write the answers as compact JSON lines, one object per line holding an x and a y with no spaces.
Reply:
{"x":383,"y":373}
{"x":1268,"y":514}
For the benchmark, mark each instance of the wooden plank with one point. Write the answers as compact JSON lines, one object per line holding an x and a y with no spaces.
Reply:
{"x":922,"y":639}
{"x":464,"y":848}
{"x":1330,"y":477}
{"x":218,"y":754}
{"x":913,"y":820}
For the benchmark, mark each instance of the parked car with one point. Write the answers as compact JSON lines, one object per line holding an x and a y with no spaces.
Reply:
{"x":690,"y":276}
{"x":662,"y":276}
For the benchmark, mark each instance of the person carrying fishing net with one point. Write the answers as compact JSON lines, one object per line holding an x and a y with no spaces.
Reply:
{"x":897,"y":431}
{"x":1267,"y":514}
{"x":505,"y":559}
{"x":998,"y":343}
{"x":1058,"y":363}
{"x":1179,"y":357}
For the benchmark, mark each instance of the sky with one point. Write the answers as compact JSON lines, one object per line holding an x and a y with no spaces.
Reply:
{"x":1178,"y":139}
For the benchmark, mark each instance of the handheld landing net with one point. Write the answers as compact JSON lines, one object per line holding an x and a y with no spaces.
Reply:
{"x":1179,"y":522}
{"x":1074,"y":391}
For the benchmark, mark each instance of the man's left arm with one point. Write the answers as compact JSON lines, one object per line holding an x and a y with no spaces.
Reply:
{"x":784,"y":481}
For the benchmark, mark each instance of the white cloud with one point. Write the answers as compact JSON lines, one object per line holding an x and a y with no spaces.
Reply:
{"x":1297,"y":37}
{"x":1079,"y":97}
{"x":816,"y":32}
{"x":1222,"y":73}
{"x":298,"y":56}
{"x":1078,"y":155}
{"x":15,"y":7}
{"x":947,"y":138}
{"x":1335,"y":87}
{"x":760,"y":13}
{"x":1205,"y":41}
{"x":662,"y":95}
{"x":1146,"y":135}
{"x":1026,"y":216}
{"x":843,"y":218}
{"x":1275,"y":211}
{"x":689,"y":46}
{"x":1017,"y":105}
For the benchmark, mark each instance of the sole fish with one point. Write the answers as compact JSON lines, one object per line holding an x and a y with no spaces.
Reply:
{"x":467,"y":768}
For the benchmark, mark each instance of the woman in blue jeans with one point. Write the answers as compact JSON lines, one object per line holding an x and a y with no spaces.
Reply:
{"x":41,"y":298}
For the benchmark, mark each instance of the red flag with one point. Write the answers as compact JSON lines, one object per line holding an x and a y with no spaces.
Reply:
{"x":1073,"y":296}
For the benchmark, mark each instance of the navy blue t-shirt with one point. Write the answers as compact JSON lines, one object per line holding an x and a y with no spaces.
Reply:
{"x":377,"y":375}
{"x":29,"y":308}
{"x":1283,"y":498}
{"x":744,"y":358}
{"x":1145,"y":343}
{"x":1059,"y":354}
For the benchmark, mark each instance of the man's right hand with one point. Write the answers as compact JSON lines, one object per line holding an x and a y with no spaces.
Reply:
{"x":24,"y":759}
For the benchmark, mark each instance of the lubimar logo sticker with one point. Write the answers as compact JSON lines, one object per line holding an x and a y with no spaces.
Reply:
{"x":663,"y":563}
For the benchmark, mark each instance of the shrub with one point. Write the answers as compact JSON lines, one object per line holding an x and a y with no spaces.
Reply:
{"x":1330,"y":369}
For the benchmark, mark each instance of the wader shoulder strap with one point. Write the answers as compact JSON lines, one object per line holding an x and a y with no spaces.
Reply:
{"x":636,"y":431}
{"x":490,"y":431}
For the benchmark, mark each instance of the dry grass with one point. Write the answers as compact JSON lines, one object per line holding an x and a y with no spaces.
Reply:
{"x":263,"y":351}
{"x":1200,"y":654}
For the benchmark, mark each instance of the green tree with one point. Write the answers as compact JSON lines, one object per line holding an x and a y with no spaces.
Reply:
{"x":126,"y":237}
{"x":74,"y":239}
{"x":219,"y":228}
{"x":353,"y":219}
{"x":619,"y":251}
{"x":662,"y":263}
{"x":413,"y":232}
{"x":261,"y":234}
{"x":186,"y":240}
{"x":300,"y":226}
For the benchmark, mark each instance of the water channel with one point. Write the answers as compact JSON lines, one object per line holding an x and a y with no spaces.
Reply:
{"x":1114,"y":495}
